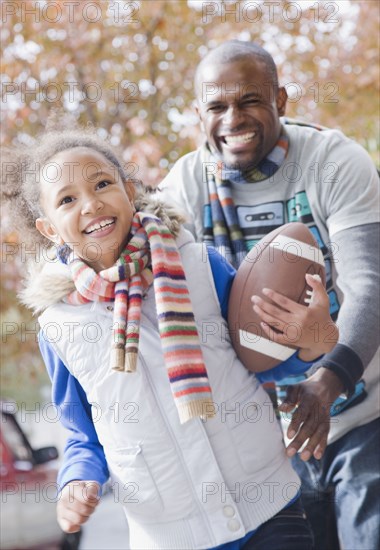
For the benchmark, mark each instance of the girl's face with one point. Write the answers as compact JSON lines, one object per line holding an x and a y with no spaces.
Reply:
{"x":86,"y":205}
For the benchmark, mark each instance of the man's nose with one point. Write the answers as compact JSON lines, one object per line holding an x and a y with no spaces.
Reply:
{"x":232,"y":116}
{"x":91,"y":205}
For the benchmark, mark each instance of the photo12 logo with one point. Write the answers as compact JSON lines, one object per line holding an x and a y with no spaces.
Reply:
{"x":123,"y":13}
{"x":272,"y":12}
{"x":71,"y":91}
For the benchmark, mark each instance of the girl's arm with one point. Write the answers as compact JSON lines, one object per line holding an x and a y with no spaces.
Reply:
{"x":84,"y":468}
{"x":224,"y":274}
{"x":83,"y":455}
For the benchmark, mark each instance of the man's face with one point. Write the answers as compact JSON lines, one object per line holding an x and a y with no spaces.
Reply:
{"x":240,"y":108}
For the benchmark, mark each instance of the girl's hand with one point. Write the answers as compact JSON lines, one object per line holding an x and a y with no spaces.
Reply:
{"x":307,"y":327}
{"x":77,"y":502}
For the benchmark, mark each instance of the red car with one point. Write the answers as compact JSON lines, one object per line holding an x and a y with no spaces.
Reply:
{"x":29,"y":492}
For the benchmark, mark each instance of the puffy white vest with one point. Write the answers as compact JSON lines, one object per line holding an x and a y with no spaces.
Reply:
{"x":191,"y":486}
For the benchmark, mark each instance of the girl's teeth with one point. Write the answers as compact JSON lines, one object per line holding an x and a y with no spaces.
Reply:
{"x":99,"y":226}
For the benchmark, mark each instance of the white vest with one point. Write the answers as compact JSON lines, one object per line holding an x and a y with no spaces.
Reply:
{"x":196,"y":485}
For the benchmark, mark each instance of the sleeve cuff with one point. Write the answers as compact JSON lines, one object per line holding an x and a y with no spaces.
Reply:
{"x":81,"y":471}
{"x":307,"y":364}
{"x":346,"y":364}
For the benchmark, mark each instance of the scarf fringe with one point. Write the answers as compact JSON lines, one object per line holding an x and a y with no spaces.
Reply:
{"x":130,"y":362}
{"x":122,"y":361}
{"x":204,"y":408}
{"x":117,"y":359}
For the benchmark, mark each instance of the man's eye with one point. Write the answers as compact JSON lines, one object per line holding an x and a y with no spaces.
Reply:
{"x":103,"y":184}
{"x":215,"y":108}
{"x":66,"y":200}
{"x":252,"y":101}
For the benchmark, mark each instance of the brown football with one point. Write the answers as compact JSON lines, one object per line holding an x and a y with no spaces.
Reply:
{"x":279,"y":261}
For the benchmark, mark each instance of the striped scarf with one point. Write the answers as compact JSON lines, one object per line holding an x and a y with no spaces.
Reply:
{"x":150,"y":256}
{"x":221,"y":227}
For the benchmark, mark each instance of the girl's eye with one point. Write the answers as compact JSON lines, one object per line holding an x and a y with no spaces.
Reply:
{"x":103,"y":184}
{"x":66,"y":200}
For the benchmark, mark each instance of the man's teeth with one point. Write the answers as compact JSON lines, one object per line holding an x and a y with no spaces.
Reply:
{"x":242,"y":138}
{"x":99,"y":226}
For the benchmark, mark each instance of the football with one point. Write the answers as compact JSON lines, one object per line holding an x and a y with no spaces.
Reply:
{"x":279,"y":261}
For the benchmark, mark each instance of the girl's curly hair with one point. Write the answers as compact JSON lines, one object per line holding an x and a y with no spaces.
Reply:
{"x":21,"y":166}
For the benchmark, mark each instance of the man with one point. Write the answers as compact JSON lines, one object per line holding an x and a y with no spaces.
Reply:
{"x":254,"y":174}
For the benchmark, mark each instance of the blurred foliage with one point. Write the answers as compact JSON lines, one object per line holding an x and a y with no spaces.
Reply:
{"x":128,"y":66}
{"x":22,"y":372}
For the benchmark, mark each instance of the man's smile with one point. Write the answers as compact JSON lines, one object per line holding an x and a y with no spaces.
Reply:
{"x":238,"y":139}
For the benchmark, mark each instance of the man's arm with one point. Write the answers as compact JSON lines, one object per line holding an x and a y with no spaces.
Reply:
{"x":357,"y":265}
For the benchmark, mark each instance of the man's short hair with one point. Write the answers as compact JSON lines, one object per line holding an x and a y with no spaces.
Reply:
{"x":234,"y":50}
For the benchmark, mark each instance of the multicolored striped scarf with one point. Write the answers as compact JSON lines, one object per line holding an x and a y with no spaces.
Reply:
{"x":150,"y":256}
{"x":221,"y":227}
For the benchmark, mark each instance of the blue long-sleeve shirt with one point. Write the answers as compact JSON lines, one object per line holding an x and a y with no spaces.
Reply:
{"x":84,"y":456}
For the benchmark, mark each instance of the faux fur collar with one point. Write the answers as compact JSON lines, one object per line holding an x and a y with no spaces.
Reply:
{"x":48,"y":280}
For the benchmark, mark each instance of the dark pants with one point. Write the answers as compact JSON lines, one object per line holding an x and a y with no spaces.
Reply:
{"x":287,"y":530}
{"x":341,"y":492}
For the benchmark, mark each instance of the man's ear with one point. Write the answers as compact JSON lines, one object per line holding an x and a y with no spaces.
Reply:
{"x":198,"y":111}
{"x":282,"y":98}
{"x":48,"y":230}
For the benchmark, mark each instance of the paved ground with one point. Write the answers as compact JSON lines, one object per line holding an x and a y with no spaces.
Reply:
{"x":107,"y":528}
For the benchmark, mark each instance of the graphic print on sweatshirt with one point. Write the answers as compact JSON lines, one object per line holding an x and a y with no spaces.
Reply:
{"x":259,"y":220}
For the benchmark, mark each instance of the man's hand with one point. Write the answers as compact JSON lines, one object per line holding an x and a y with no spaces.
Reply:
{"x":309,"y":328}
{"x":312,"y":400}
{"x":77,"y":502}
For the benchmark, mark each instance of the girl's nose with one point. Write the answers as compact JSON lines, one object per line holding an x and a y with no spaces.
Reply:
{"x":91,"y":205}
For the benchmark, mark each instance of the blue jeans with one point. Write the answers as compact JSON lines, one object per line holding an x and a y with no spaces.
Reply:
{"x":341,"y":492}
{"x":287,"y":530}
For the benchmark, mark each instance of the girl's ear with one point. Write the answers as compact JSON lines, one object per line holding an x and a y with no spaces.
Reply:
{"x":48,"y":230}
{"x":130,"y":190}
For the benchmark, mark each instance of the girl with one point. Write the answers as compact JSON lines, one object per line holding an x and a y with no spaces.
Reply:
{"x":135,"y":342}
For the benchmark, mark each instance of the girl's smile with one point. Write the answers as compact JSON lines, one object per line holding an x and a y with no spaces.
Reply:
{"x":99,"y":227}
{"x":86,"y":205}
